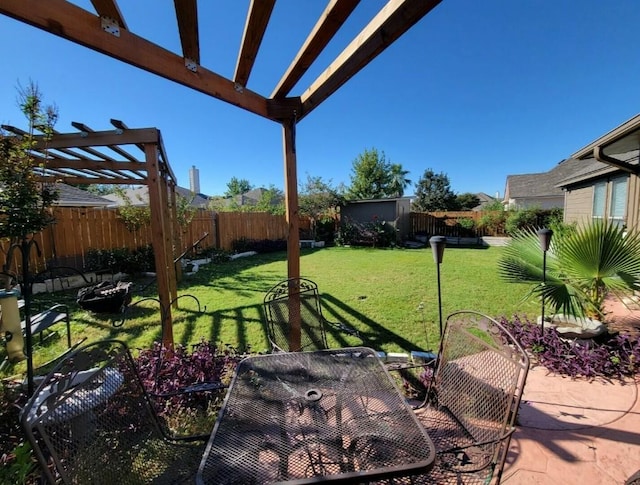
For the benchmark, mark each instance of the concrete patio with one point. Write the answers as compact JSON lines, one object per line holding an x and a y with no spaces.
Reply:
{"x":577,"y":431}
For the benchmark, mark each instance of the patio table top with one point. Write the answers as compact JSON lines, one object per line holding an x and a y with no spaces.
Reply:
{"x":305,"y":417}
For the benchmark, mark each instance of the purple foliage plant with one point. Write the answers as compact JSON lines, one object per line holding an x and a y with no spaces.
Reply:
{"x":610,"y":356}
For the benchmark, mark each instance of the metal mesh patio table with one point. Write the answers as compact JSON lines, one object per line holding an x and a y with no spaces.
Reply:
{"x":304,"y":417}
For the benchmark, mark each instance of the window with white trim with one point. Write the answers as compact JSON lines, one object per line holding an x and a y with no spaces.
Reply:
{"x":599,"y":200}
{"x":610,"y":200}
{"x":618,"y":205}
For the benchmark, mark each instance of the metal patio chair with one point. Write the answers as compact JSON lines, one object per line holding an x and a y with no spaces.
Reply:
{"x":42,"y":317}
{"x":313,"y":324}
{"x":473,"y":400}
{"x":90,"y":421}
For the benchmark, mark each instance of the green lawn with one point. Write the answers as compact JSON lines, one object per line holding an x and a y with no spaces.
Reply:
{"x":377,"y":291}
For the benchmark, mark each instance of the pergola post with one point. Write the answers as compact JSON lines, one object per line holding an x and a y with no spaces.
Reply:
{"x":161,"y":234}
{"x":293,"y":221}
{"x":176,"y":238}
{"x":169,"y":214}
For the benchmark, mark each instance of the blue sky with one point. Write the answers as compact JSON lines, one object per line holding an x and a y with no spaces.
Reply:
{"x":477,"y":90}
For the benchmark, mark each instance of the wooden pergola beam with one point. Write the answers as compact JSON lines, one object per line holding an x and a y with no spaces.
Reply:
{"x":83,"y":180}
{"x":96,"y":165}
{"x":187,"y":16}
{"x":395,"y":18}
{"x":334,"y":15}
{"x":71,"y":22}
{"x":85,"y":130}
{"x":107,"y":33}
{"x":110,"y":9}
{"x":255,"y":26}
{"x":98,"y":138}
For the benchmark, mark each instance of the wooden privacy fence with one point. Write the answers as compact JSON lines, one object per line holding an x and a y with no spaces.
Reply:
{"x":452,"y":224}
{"x":78,"y":230}
{"x":231,"y":226}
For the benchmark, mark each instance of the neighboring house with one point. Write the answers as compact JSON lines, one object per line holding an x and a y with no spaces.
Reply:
{"x":69,"y":196}
{"x":393,"y":211}
{"x":139,"y":196}
{"x":539,"y":189}
{"x":252,"y":197}
{"x":607,"y":184}
{"x":485,"y":199}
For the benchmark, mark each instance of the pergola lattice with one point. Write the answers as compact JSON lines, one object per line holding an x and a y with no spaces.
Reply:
{"x":119,"y":157}
{"x":105,"y":30}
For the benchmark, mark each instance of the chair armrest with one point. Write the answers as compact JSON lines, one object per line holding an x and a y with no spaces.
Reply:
{"x":456,"y":449}
{"x":473,"y":457}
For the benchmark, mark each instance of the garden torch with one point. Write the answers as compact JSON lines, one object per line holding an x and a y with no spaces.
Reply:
{"x":545,"y":240}
{"x":438,"y":244}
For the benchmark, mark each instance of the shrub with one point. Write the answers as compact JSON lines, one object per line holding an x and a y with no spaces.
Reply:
{"x":376,"y":233}
{"x":467,"y":225}
{"x":610,"y":356}
{"x":530,"y":218}
{"x":167,"y":373}
{"x":164,"y":372}
{"x":492,"y":223}
{"x":16,"y":459}
{"x":244,"y":244}
{"x":121,"y":260}
{"x":534,"y":218}
{"x":584,"y":266}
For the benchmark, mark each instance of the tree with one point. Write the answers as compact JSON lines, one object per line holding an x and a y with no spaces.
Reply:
{"x":98,"y":189}
{"x":398,"y":181}
{"x":467,"y":201}
{"x":583,"y":266}
{"x":185,"y":210}
{"x":433,"y":193}
{"x":373,"y":177}
{"x":133,"y":216}
{"x":319,"y":201}
{"x":24,"y":199}
{"x":237,"y":186}
{"x":272,"y":201}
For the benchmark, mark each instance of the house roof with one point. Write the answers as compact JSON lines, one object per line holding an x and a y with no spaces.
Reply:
{"x":139,"y":196}
{"x":591,"y":168}
{"x":622,"y":139}
{"x":69,"y":196}
{"x":484,"y":199}
{"x":251,"y":197}
{"x":541,"y":184}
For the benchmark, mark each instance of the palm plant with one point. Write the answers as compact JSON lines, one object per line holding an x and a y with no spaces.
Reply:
{"x":583,"y":267}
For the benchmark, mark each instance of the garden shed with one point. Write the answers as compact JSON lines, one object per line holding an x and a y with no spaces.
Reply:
{"x":394,"y":212}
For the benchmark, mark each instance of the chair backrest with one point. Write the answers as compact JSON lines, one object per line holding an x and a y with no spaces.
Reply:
{"x":91,"y":416}
{"x":280,"y":307}
{"x":480,"y":375}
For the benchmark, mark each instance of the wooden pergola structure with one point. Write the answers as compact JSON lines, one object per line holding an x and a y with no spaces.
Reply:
{"x":121,"y":156}
{"x":105,"y":30}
